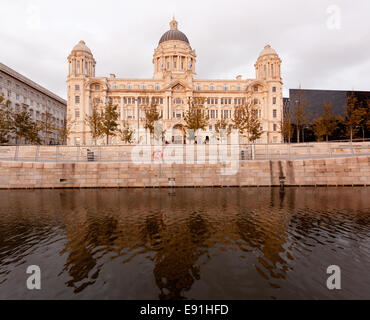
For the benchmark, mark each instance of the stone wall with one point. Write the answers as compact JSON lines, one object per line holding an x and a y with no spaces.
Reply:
{"x":319,"y":172}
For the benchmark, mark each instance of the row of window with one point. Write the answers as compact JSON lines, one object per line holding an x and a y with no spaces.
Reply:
{"x":212,"y":114}
{"x":27,"y":94}
{"x":158,"y":100}
{"x":157,"y":87}
{"x":226,"y":88}
{"x":32,"y":103}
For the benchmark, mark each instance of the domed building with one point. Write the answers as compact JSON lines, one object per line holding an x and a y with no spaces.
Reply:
{"x":174,"y":83}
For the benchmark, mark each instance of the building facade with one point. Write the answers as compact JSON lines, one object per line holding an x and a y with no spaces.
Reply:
{"x":43,"y":105}
{"x":174,"y":82}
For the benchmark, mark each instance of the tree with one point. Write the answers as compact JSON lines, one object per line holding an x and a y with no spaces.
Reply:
{"x":300,"y":114}
{"x":222,"y":126}
{"x":109,"y":124}
{"x":286,"y":127}
{"x":354,"y":115}
{"x":368,"y":115}
{"x":326,"y":124}
{"x":5,"y":119}
{"x":125,"y":133}
{"x":24,"y":127}
{"x":95,"y":122}
{"x":65,"y":130}
{"x":47,"y":125}
{"x":195,"y":117}
{"x":151,"y":117}
{"x":247,"y":122}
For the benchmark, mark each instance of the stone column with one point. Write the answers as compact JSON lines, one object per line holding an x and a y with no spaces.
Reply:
{"x":171,"y":111}
{"x":137,"y":118}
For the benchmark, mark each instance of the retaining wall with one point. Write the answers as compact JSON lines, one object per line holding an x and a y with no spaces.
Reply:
{"x":317,"y":172}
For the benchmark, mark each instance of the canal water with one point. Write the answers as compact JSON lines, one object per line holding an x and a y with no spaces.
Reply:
{"x":228,"y":243}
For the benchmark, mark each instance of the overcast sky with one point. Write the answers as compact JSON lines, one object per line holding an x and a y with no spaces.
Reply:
{"x":323,"y":44}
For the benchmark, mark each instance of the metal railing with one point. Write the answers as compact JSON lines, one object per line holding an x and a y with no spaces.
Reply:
{"x":178,"y":153}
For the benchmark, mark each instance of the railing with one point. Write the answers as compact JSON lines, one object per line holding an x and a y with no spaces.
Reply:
{"x":178,"y":153}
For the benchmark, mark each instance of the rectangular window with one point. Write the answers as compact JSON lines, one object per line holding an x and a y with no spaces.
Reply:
{"x":275,"y":127}
{"x":273,"y":89}
{"x":274,"y":100}
{"x":274,"y":113}
{"x":77,"y":99}
{"x":77,"y":113}
{"x":77,"y":87}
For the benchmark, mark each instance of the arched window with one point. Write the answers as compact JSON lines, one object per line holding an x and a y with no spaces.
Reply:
{"x":212,"y":87}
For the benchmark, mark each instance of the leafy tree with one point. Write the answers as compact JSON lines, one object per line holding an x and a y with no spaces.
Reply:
{"x":326,"y":124}
{"x":151,"y":117}
{"x":109,"y":124}
{"x":247,"y":122}
{"x":125,"y":133}
{"x":195,"y":117}
{"x":5,"y":119}
{"x":24,"y":127}
{"x":222,"y":126}
{"x":95,"y":122}
{"x":355,"y":114}
{"x":368,"y":115}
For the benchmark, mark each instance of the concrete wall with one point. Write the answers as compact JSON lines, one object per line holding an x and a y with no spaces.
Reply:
{"x":332,"y":172}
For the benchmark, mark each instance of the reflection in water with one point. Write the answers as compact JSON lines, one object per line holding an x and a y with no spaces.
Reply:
{"x":191,"y":244}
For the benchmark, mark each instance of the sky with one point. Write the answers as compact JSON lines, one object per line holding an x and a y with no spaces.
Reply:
{"x":323,"y":44}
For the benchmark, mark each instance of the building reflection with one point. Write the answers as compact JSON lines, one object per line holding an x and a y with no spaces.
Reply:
{"x":178,"y":234}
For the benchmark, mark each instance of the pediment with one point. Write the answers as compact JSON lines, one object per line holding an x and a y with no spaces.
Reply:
{"x":178,"y":86}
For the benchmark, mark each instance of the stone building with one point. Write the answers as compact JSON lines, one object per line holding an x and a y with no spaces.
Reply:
{"x":43,"y":105}
{"x":174,"y":82}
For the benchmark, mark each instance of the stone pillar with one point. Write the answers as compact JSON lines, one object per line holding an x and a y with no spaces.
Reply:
{"x":137,"y":119}
{"x":170,"y":102}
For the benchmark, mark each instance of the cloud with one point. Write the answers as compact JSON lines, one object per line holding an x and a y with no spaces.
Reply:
{"x":227,"y":36}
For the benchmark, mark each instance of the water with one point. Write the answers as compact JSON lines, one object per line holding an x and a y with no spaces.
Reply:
{"x":186,"y":244}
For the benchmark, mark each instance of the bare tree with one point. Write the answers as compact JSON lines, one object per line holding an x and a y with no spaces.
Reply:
{"x":300,"y":114}
{"x":286,"y":127}
{"x":47,"y":126}
{"x":65,"y":130}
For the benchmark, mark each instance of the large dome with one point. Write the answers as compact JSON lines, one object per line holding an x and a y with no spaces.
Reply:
{"x":174,"y":34}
